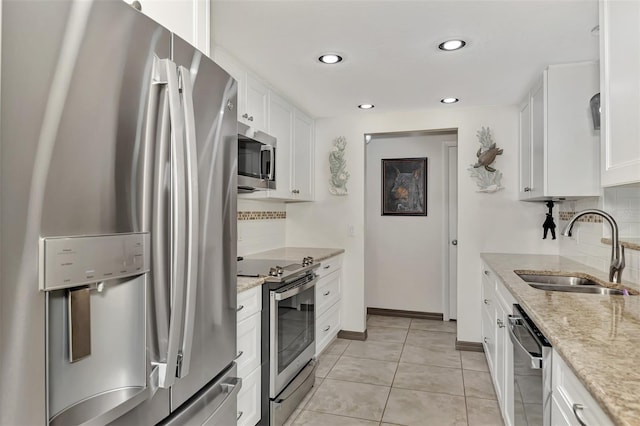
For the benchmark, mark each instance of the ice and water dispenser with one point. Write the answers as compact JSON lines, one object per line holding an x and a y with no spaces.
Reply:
{"x":96,"y":341}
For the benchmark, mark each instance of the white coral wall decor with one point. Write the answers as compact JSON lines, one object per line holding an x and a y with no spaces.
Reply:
{"x":337,"y":167}
{"x":487,"y":177}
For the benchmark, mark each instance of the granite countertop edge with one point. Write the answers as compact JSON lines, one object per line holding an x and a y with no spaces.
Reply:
{"x":596,"y":335}
{"x":286,"y":253}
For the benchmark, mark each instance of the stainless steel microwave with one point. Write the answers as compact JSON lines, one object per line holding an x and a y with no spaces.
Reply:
{"x":256,"y":159}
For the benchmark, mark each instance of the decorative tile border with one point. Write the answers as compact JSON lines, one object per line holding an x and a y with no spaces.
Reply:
{"x":589,"y":218}
{"x":259,"y":215}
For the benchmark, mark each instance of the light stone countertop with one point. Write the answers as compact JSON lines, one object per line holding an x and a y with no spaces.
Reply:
{"x":628,"y":243}
{"x":597,"y":335}
{"x":247,"y":283}
{"x":286,"y":253}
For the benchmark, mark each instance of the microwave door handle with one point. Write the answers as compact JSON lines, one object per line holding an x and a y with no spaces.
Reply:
{"x":271,"y":151}
{"x":192,"y":207}
{"x":167,"y":369}
{"x":535,"y":362}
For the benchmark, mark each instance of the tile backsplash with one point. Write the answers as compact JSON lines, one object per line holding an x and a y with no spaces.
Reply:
{"x":585,"y":246}
{"x":261,"y":226}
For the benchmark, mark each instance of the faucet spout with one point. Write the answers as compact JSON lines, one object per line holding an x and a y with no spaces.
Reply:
{"x":617,"y":250}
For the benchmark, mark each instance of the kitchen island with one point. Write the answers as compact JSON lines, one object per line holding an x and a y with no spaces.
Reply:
{"x":597,"y":336}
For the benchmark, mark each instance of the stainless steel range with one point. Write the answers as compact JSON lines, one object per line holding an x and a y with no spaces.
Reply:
{"x":290,"y":315}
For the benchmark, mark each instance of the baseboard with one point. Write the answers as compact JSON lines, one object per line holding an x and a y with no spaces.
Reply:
{"x":352,"y":335}
{"x":405,"y":314}
{"x":469,"y":346}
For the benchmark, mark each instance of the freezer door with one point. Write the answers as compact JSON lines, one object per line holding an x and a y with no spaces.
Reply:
{"x":210,"y":344}
{"x":76,"y":127}
{"x":214,"y":405}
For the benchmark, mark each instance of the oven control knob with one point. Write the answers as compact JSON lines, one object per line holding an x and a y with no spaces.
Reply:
{"x":279,"y":270}
{"x":273,"y":272}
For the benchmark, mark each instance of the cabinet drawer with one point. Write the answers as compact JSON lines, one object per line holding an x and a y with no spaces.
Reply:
{"x":248,"y":344}
{"x":249,"y":302}
{"x":329,"y":265}
{"x":249,"y":400}
{"x":327,"y":326}
{"x":328,"y":292}
{"x":568,"y":390}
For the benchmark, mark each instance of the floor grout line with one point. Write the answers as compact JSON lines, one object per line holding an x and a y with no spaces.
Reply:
{"x":403,"y":346}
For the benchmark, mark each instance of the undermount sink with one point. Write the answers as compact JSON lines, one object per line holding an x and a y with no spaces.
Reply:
{"x":567,"y":283}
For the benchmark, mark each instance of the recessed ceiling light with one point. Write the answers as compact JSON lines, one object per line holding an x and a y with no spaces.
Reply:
{"x":449,"y":100}
{"x":452,"y":45}
{"x":330,"y":58}
{"x":365,"y":106}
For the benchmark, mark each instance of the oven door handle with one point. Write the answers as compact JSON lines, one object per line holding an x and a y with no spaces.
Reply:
{"x":535,"y":362}
{"x":296,"y":290}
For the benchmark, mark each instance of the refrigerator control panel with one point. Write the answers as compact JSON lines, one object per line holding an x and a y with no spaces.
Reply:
{"x":67,"y":262}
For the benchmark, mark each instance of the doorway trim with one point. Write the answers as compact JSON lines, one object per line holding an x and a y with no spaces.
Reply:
{"x":447,"y":294}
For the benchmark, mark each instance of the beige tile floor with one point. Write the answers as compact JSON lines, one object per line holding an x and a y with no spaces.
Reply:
{"x":406,"y":373}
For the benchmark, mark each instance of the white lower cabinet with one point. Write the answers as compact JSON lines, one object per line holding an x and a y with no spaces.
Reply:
{"x":572,"y":404}
{"x":497,"y":305}
{"x":249,"y":399}
{"x":248,"y":358}
{"x":328,"y":301}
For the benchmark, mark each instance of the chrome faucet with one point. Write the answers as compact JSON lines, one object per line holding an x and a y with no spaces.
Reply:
{"x":617,"y":250}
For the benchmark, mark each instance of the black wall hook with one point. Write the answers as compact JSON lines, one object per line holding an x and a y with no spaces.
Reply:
{"x":548,"y":223}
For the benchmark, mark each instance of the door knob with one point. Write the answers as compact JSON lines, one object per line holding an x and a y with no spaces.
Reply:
{"x":454,"y":242}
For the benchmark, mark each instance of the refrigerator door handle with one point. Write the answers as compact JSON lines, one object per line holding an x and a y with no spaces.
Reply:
{"x":167,"y":370}
{"x":193,"y":215}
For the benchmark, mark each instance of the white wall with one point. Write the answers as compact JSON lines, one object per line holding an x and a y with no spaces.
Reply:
{"x":487,"y":222}
{"x":262,"y":234}
{"x":399,"y":249}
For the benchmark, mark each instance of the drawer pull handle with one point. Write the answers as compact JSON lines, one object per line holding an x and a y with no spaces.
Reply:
{"x":486,"y":301}
{"x":327,"y":293}
{"x":245,"y":115}
{"x":500,"y":323}
{"x":576,"y":409}
{"x":240,"y":413}
{"x":327,"y":328}
{"x":486,"y":272}
{"x":327,"y":267}
{"x":527,"y":189}
{"x":241,"y":307}
{"x":239,"y":355}
{"x":486,"y":340}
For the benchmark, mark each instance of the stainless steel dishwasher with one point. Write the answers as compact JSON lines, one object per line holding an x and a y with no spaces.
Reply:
{"x":531,"y":371}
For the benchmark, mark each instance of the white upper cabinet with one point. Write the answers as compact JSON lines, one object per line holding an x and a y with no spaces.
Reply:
{"x":253,"y":94}
{"x":620,"y":96}
{"x":253,"y":100}
{"x":281,"y":127}
{"x":262,"y":108}
{"x":189,"y":19}
{"x":302,"y":155}
{"x":559,"y":148}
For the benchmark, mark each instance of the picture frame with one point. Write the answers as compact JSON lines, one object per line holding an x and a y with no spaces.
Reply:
{"x":404,"y":186}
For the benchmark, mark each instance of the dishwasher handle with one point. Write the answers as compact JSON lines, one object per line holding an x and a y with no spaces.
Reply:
{"x":535,"y":360}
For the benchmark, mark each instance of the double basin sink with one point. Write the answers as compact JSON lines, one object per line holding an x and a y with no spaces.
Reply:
{"x":572,"y":284}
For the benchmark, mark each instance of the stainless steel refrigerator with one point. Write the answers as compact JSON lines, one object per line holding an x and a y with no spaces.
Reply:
{"x":118,"y":159}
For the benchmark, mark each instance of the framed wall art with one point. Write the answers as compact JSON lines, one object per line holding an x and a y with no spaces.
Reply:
{"x":404,"y":187}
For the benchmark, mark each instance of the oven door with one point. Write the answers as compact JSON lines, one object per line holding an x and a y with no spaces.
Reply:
{"x":292,"y":332}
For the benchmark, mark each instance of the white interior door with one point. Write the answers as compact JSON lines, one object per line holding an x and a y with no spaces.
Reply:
{"x":452,"y":183}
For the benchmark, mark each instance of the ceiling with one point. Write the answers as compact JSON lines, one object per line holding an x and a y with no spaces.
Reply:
{"x":390,"y":49}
